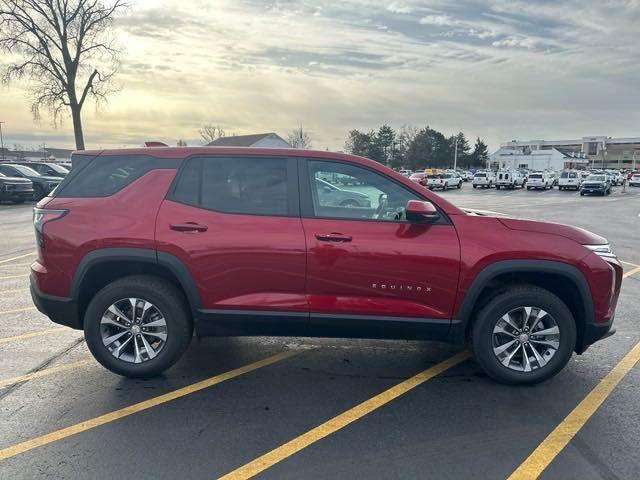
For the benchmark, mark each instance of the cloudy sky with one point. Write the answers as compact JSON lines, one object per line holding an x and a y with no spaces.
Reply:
{"x":498,"y":69}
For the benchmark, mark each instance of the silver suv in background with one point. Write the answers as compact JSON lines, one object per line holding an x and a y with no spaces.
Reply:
{"x":539,"y":180}
{"x":483,"y":179}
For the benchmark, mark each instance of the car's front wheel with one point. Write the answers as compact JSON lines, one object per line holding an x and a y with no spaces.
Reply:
{"x":523,"y":336}
{"x":138,"y":326}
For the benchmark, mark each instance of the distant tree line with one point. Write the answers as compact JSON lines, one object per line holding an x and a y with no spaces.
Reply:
{"x":416,"y":148}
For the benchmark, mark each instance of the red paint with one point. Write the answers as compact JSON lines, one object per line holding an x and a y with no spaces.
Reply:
{"x":286,"y":263}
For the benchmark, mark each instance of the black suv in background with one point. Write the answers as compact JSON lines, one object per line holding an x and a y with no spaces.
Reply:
{"x":15,"y":189}
{"x":46,"y":168}
{"x":42,"y":184}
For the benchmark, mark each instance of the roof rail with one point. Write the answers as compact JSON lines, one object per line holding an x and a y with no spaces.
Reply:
{"x":155,"y":144}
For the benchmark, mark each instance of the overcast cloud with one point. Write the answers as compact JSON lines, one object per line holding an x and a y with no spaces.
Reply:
{"x":499,"y":69}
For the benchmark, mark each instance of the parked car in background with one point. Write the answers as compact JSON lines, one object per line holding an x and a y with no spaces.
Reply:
{"x":569,"y":179}
{"x":452,"y":180}
{"x":15,"y":189}
{"x":467,"y":175}
{"x":539,"y":180}
{"x":42,"y":184}
{"x":47,"y":168}
{"x":435,"y":181}
{"x":584,"y":174}
{"x":553,"y":176}
{"x":419,"y":177}
{"x":616,"y":177}
{"x":509,"y":179}
{"x":634,"y":181}
{"x":631,"y":173}
{"x":483,"y":179}
{"x":404,"y":172}
{"x":331,"y":195}
{"x":599,"y":184}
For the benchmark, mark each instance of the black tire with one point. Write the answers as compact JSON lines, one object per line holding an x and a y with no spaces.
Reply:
{"x":475,"y":186}
{"x":582,"y":194}
{"x":459,"y":185}
{"x":161,"y":293}
{"x":349,"y":203}
{"x":522,"y":295}
{"x":528,"y":188}
{"x":38,"y":193}
{"x":497,"y":187}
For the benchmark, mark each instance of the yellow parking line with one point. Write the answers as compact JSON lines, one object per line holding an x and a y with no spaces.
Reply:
{"x":629,"y":263}
{"x":336,"y":423}
{"x":137,"y":407}
{"x":39,"y":333}
{"x":7,"y":260}
{"x":14,"y":276}
{"x":18,"y":310}
{"x":631,"y":272}
{"x":10,"y":265}
{"x":551,"y":446}
{"x":44,"y":372}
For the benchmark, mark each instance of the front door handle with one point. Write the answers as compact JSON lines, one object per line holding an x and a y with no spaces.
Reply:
{"x":333,"y":237}
{"x":188,"y":227}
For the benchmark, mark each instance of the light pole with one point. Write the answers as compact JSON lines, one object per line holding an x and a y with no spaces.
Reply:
{"x":455,"y":155}
{"x":1,"y":142}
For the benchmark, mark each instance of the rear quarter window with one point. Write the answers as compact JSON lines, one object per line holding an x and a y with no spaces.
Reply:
{"x":104,"y":176}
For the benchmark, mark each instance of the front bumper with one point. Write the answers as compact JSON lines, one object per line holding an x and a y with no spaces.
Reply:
{"x":16,"y":195}
{"x":592,"y":333}
{"x":60,"y":310}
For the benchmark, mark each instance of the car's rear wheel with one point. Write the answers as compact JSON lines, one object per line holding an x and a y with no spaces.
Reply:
{"x":349,"y":203}
{"x":138,"y":326}
{"x":523,"y":336}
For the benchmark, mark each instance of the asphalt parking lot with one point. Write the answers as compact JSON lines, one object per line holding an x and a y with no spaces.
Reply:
{"x":315,"y":408}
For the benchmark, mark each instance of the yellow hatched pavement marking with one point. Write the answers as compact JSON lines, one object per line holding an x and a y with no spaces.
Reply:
{"x":38,"y":333}
{"x":45,"y":372}
{"x":9,"y":277}
{"x":631,"y":272}
{"x":7,"y":260}
{"x":138,"y":407}
{"x":336,"y":423}
{"x":555,"y":442}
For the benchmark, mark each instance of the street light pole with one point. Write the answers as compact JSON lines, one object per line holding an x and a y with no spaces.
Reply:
{"x":455,"y":155}
{"x":1,"y":142}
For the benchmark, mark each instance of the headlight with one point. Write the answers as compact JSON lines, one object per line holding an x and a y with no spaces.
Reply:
{"x":603,"y":250}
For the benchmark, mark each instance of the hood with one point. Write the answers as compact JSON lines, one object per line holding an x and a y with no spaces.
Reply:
{"x":579,"y":235}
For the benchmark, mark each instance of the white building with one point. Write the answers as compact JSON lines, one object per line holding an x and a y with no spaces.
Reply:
{"x":601,"y":151}
{"x":264,"y":140}
{"x":547,"y":159}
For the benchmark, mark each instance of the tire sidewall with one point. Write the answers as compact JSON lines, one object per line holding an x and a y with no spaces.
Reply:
{"x":178,"y":326}
{"x":489,"y":316}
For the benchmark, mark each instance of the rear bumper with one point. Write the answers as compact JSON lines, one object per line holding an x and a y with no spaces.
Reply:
{"x":60,"y":310}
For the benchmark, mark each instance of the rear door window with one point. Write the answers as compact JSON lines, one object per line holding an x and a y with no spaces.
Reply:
{"x":242,"y":185}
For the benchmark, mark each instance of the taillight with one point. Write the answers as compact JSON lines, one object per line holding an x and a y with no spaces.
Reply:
{"x":41,"y":216}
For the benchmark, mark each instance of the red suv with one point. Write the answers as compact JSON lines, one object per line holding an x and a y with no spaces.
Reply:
{"x":141,"y":247}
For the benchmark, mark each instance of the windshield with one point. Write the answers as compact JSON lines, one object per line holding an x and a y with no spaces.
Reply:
{"x":596,"y":178}
{"x":481,"y":175}
{"x":58,"y":168}
{"x":535,"y":175}
{"x":29,"y":172}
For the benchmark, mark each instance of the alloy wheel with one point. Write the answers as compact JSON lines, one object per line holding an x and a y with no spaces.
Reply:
{"x":133,"y":330}
{"x":525,"y":339}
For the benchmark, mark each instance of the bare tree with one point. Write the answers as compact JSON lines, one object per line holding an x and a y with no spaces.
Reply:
{"x":299,"y":138}
{"x":64,"y":49}
{"x":211,"y":133}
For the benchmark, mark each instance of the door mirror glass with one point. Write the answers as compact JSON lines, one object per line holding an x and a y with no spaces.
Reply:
{"x":419,"y":211}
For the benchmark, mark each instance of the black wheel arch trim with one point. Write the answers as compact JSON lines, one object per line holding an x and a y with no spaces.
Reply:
{"x":493,"y":270}
{"x":140,"y":254}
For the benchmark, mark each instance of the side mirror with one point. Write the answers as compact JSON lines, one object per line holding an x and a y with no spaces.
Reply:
{"x":419,"y":211}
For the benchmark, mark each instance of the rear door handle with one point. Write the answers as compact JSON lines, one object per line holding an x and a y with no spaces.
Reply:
{"x":188,"y":227}
{"x":333,"y":237}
